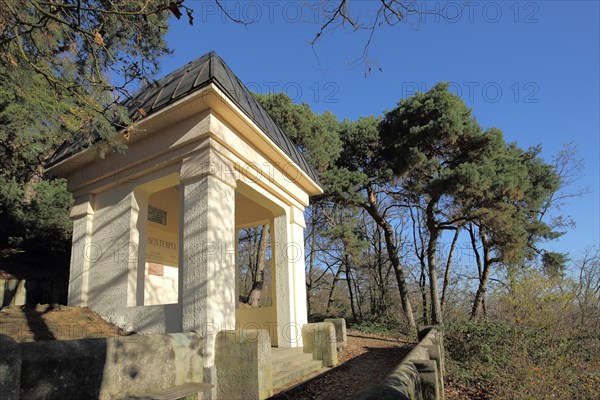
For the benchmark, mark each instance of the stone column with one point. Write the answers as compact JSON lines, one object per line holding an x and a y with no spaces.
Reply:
{"x":207,"y":254}
{"x":290,"y":281}
{"x":82,"y":250}
{"x":284,"y":280}
{"x":297,"y":261}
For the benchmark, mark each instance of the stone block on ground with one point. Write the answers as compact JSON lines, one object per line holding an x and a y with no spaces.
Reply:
{"x":340,"y":331}
{"x":320,"y":340}
{"x":243,"y":364}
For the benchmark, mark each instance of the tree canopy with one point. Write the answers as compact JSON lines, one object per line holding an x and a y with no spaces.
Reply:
{"x":66,"y":66}
{"x":431,"y":155}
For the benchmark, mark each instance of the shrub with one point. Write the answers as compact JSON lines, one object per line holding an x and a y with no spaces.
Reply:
{"x":506,"y":361}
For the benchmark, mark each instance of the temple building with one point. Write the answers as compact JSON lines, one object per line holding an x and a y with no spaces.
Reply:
{"x":155,"y":228}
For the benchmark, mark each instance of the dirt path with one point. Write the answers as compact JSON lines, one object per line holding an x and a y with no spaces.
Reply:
{"x":366,"y":360}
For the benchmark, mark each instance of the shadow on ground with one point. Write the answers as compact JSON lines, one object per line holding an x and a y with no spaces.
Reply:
{"x":365,"y":369}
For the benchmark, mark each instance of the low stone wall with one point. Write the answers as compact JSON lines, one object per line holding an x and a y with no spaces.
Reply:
{"x":18,"y":292}
{"x":418,"y":377}
{"x":111,"y":368}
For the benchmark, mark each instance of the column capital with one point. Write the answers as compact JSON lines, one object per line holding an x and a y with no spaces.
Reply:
{"x":83,"y":207}
{"x":207,"y":162}
{"x":297,"y":216}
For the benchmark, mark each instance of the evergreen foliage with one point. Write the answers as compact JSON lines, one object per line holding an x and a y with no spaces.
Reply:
{"x":431,"y":154}
{"x":66,"y":67}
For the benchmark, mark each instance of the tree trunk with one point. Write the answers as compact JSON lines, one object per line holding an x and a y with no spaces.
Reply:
{"x":475,"y":251}
{"x":434,"y":232}
{"x":422,"y":286}
{"x":420,"y":253}
{"x":388,"y":233}
{"x":336,"y":278}
{"x":359,"y":296}
{"x":479,"y":302}
{"x":257,"y":285}
{"x":349,"y":283}
{"x":382,"y":277}
{"x":448,"y":264}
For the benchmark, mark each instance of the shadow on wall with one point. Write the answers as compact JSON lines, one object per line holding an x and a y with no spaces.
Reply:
{"x":19,"y":292}
{"x":105,"y":368}
{"x":63,"y":369}
{"x":33,"y":277}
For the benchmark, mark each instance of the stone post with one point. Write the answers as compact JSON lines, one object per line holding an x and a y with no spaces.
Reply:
{"x":244,"y":367}
{"x":428,"y":374}
{"x":298,"y":264}
{"x":319,"y":339}
{"x":340,"y":331}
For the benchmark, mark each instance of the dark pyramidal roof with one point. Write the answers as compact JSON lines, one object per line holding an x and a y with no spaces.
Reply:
{"x":193,"y":76}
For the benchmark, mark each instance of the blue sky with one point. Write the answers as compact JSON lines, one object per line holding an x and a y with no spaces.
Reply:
{"x":529,"y":68}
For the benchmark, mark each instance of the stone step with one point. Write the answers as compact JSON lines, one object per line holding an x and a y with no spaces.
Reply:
{"x":285,"y":361}
{"x":280,"y":353}
{"x":295,"y":372}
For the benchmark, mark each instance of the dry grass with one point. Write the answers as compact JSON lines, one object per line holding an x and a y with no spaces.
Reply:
{"x":47,"y":322}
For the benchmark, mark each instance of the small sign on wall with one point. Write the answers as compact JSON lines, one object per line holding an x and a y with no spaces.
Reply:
{"x":162,"y":246}
{"x":157,"y":215}
{"x":156,"y":269}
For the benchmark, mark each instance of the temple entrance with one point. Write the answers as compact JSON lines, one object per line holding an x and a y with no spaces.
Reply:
{"x":161,"y":267}
{"x":255,"y":261}
{"x":154,"y":278}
